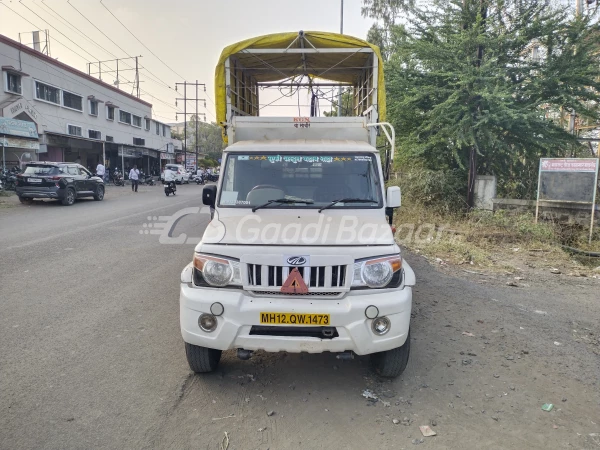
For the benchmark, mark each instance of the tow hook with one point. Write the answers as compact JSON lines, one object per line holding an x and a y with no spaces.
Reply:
{"x":244,"y":354}
{"x":328,"y":332}
{"x":346,"y":356}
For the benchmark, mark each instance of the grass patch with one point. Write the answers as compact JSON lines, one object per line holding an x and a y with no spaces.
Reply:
{"x":498,"y":240}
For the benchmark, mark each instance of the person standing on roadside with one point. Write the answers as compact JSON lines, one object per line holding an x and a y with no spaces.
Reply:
{"x":134,"y":175}
{"x":100,"y":170}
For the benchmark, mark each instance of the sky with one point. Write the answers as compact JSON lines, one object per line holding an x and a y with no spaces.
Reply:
{"x":178,"y":40}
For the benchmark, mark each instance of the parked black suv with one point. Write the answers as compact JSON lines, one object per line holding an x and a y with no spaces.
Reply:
{"x":61,"y":181}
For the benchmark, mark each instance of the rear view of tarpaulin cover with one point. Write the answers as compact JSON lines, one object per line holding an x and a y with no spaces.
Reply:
{"x":326,"y":65}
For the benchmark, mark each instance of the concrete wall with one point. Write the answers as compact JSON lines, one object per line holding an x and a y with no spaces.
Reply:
{"x":53,"y":118}
{"x":554,"y":211}
{"x":485,"y":191}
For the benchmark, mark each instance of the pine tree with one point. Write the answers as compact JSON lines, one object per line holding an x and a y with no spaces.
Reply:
{"x":489,"y":80}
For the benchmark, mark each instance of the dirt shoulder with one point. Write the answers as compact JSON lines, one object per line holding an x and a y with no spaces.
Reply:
{"x":485,"y":357}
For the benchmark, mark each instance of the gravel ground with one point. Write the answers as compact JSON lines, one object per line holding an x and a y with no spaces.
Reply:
{"x":91,"y":354}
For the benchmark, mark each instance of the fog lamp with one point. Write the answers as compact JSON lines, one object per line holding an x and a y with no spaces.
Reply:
{"x":207,"y":322}
{"x":380,"y":325}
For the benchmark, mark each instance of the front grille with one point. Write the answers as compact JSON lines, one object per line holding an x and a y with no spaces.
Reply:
{"x":316,"y":294}
{"x":315,"y":277}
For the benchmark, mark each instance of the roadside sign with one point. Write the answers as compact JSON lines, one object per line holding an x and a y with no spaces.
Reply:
{"x":14,"y":127}
{"x":569,"y":180}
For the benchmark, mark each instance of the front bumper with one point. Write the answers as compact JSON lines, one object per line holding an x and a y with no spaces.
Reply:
{"x":242,"y":311}
{"x":40,"y":192}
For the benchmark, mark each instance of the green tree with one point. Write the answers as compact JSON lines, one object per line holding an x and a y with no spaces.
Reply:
{"x":176,"y":134}
{"x":209,"y":139}
{"x":479,"y":83}
{"x":347,"y":105}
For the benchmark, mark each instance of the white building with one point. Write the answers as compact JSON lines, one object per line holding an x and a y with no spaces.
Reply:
{"x":78,"y":117}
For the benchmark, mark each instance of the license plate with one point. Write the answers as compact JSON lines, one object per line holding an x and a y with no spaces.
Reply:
{"x":34,"y":180}
{"x":294,"y":319}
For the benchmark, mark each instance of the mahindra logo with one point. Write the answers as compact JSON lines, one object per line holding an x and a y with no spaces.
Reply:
{"x":296,"y":260}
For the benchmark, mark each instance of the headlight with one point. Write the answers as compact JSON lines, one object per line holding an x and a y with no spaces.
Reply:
{"x":377,"y":272}
{"x":216,"y":271}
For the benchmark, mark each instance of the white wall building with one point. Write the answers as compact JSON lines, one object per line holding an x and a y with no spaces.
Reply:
{"x":78,"y":117}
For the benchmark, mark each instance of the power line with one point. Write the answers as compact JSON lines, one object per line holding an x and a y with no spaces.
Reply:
{"x":73,"y":27}
{"x":157,"y":80}
{"x":144,"y":45}
{"x":78,"y":54}
{"x":156,"y":98}
{"x":39,"y":28}
{"x":124,"y":26}
{"x":21,"y":2}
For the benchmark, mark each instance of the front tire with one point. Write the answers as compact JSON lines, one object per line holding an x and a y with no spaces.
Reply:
{"x":202,"y":359}
{"x":99,"y":194}
{"x":69,"y":198}
{"x":391,"y":363}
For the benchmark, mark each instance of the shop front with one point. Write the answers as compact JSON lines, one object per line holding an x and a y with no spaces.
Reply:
{"x":19,"y":141}
{"x":146,"y":160}
{"x":62,"y":148}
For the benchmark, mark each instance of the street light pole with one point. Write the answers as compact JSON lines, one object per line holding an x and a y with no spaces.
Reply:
{"x":341,"y":32}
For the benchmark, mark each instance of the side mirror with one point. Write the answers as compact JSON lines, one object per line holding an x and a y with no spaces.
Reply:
{"x":394,"y":197}
{"x":209,"y":195}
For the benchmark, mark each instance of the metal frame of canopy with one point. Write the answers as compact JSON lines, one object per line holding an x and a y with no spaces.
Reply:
{"x":298,"y":60}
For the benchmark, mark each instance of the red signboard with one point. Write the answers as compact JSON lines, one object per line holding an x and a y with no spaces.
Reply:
{"x":568,"y":165}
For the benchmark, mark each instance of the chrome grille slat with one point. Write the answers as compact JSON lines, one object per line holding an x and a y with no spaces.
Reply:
{"x":328,"y":270}
{"x":264,"y":276}
{"x":307,"y":276}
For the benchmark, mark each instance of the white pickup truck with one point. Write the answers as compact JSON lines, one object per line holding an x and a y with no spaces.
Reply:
{"x":299,"y":255}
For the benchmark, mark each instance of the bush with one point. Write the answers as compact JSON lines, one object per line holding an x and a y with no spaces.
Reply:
{"x":445,"y":191}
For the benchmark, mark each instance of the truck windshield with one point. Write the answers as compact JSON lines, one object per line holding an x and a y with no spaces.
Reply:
{"x":314,"y":180}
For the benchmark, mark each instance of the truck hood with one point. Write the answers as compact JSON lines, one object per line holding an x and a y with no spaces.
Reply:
{"x":297,"y":227}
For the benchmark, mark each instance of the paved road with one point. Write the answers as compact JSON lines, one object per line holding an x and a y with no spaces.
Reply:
{"x":91,"y":355}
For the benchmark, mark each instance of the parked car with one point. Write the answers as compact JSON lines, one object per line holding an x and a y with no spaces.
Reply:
{"x":61,"y":181}
{"x":181,"y":175}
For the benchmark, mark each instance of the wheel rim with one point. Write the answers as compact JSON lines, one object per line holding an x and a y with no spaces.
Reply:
{"x":100,"y":193}
{"x":70,"y":196}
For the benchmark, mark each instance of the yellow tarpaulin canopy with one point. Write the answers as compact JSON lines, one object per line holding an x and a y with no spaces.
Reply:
{"x":268,"y":67}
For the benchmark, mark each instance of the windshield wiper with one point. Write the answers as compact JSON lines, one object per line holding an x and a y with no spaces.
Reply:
{"x":283,"y":200}
{"x":348,"y":200}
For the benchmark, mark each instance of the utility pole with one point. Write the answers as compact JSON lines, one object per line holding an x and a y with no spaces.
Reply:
{"x":109,"y":68}
{"x":341,"y":32}
{"x":185,"y":100}
{"x":473,"y":149}
{"x":196,"y":139}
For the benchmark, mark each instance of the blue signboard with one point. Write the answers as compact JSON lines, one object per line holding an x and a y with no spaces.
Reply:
{"x":14,"y":127}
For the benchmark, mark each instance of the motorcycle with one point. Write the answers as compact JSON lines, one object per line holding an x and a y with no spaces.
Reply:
{"x":199,"y":179}
{"x":170,"y":188}
{"x":9,"y":179}
{"x":146,"y":179}
{"x":118,"y":178}
{"x":213,"y":177}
